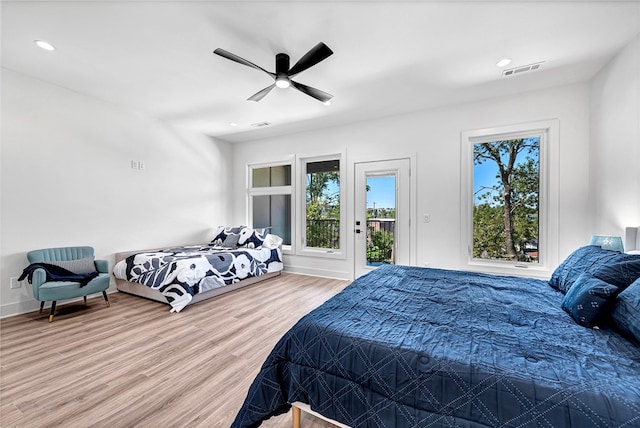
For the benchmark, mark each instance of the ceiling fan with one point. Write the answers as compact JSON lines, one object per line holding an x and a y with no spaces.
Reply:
{"x":283,"y":73}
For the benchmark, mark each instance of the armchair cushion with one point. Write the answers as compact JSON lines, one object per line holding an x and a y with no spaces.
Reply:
{"x":61,"y":290}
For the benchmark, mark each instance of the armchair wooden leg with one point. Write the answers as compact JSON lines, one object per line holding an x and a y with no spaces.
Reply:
{"x":41,"y":307}
{"x":53,"y":311}
{"x":85,"y":299}
{"x":106,"y":299}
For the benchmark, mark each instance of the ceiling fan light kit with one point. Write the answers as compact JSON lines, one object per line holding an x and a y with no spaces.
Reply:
{"x":283,"y":73}
{"x":282,"y":82}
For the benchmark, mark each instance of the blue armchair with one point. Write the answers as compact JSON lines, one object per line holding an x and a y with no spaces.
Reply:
{"x":53,"y":291}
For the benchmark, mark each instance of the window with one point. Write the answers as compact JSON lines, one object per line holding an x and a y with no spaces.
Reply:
{"x":270,"y":199}
{"x":321,"y":213}
{"x":506,"y":204}
{"x":506,"y":184}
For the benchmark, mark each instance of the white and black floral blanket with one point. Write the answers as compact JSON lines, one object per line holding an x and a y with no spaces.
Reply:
{"x":182,"y":272}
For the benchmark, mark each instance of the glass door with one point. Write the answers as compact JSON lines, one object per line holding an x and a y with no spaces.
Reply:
{"x":382,"y":214}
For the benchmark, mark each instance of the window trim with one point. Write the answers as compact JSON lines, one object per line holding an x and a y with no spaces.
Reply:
{"x":548,"y":197}
{"x":274,"y":190}
{"x":301,"y":194}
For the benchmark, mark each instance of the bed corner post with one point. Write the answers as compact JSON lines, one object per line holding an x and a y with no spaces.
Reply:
{"x":295,"y":413}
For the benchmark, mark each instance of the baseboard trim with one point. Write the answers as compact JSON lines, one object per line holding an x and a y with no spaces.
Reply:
{"x":302,"y":270}
{"x":21,"y":308}
{"x":18,"y":308}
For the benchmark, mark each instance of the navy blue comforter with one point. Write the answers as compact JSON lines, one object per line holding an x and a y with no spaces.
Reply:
{"x":417,"y":347}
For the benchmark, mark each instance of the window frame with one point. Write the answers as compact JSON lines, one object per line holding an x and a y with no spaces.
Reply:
{"x":301,"y":194}
{"x":547,"y":198}
{"x":273,"y":191}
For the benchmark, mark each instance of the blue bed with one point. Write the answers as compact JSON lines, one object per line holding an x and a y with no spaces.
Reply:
{"x":417,"y":347}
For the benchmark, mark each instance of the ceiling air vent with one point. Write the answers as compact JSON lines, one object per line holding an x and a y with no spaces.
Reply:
{"x":260,"y":124}
{"x":523,"y":69}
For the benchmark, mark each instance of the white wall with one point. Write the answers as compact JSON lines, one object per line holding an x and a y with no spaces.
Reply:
{"x":66,"y":176}
{"x":615,"y":143}
{"x":67,"y":180}
{"x":432,"y":137}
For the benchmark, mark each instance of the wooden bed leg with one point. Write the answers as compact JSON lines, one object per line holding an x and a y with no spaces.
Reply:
{"x":295,"y":413}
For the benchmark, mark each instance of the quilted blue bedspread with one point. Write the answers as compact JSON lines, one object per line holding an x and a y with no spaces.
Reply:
{"x":418,"y":347}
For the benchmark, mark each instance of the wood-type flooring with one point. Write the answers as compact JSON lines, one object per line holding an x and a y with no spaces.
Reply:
{"x":134,"y":364}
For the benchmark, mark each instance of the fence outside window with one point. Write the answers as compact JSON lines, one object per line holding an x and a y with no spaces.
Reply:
{"x":325,"y":233}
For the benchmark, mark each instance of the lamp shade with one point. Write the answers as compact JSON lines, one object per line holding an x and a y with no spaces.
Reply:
{"x":607,"y":242}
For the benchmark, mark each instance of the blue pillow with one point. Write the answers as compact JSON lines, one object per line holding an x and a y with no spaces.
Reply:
{"x":613,"y":267}
{"x":576,"y":264}
{"x":621,"y":270}
{"x":626,"y":312}
{"x":589,"y":300}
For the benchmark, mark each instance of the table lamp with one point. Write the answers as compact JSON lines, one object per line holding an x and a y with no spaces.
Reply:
{"x":607,"y":242}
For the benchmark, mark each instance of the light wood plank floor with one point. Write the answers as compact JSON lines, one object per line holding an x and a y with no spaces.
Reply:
{"x":134,"y":364}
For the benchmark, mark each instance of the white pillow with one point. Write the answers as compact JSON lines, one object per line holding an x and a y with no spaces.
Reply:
{"x":272,"y":241}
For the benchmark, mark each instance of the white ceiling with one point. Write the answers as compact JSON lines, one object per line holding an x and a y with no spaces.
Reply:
{"x":155,"y":57}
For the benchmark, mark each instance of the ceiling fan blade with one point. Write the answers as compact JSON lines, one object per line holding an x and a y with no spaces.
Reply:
{"x":317,"y":53}
{"x":261,"y":94}
{"x":312,"y":92}
{"x":236,"y":58}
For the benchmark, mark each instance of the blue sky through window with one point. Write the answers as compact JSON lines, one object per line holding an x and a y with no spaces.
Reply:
{"x":485,"y":175}
{"x":382,"y":191}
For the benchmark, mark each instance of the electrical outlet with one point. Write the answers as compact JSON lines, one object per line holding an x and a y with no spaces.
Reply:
{"x":426,"y":218}
{"x":139,"y":165}
{"x":15,"y":283}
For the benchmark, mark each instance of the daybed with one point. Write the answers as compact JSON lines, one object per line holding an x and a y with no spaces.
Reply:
{"x":418,"y":347}
{"x":235,"y":258}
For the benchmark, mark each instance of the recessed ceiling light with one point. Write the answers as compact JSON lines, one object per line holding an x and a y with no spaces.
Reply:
{"x":44,"y":45}
{"x":503,"y":62}
{"x":233,"y":124}
{"x":327,"y":103}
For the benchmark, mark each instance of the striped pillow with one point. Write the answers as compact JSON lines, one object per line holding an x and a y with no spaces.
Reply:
{"x":78,"y":266}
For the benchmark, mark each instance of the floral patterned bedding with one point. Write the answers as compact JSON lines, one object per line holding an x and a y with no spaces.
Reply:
{"x":180,"y":273}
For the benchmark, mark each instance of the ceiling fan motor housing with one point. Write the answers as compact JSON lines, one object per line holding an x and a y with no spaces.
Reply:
{"x":282,"y":63}
{"x":282,"y":70}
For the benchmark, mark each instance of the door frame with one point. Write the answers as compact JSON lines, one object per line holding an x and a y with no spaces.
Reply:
{"x":410,"y":228}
